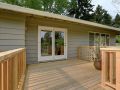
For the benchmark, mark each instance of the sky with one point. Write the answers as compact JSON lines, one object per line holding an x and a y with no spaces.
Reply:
{"x":108,"y":5}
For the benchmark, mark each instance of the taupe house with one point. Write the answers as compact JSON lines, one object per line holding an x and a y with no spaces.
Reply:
{"x":47,"y":36}
{"x":42,"y":36}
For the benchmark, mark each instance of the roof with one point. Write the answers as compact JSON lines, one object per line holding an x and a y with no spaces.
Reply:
{"x":51,"y":15}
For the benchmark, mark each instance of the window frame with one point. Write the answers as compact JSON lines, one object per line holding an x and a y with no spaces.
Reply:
{"x":99,"y":37}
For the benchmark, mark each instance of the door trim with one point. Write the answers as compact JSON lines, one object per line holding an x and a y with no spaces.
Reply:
{"x":53,"y":29}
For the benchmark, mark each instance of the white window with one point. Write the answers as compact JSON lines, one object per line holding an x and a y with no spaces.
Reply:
{"x":98,"y":38}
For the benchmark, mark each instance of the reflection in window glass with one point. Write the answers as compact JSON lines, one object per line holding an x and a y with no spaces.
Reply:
{"x":59,"y":43}
{"x":103,"y":40}
{"x":97,"y":39}
{"x":46,"y":43}
{"x":107,"y":40}
{"x":91,"y":39}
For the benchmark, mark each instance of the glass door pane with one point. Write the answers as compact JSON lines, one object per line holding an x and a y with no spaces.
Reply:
{"x":103,"y":40}
{"x":107,"y":40}
{"x":59,"y":43}
{"x":91,"y":39}
{"x":97,"y":39}
{"x":46,"y":43}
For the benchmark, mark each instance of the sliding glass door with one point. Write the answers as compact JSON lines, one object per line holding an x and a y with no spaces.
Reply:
{"x":52,"y":44}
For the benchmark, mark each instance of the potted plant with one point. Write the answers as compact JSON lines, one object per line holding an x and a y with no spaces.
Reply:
{"x":60,"y":46}
{"x":97,"y":60}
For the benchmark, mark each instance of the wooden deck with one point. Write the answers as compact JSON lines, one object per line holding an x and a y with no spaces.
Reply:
{"x":63,"y":75}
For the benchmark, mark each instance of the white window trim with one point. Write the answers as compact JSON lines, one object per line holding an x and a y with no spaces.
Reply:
{"x":53,"y":29}
{"x":100,"y":37}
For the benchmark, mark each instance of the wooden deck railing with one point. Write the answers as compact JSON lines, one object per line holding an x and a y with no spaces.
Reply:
{"x":87,"y":53}
{"x":12,"y":69}
{"x":111,"y":67}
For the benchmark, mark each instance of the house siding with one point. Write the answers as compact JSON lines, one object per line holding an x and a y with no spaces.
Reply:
{"x":32,"y":44}
{"x":77,"y":36}
{"x":80,"y":37}
{"x":75,"y":39}
{"x":12,"y":32}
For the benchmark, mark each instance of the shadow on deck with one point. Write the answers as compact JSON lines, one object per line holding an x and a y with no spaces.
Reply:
{"x":63,"y":75}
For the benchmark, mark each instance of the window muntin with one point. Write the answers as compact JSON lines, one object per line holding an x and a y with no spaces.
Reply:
{"x":91,"y":39}
{"x":98,"y":39}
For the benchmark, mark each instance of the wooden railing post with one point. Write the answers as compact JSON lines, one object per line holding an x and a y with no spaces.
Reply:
{"x":15,"y":72}
{"x":111,"y":67}
{"x":10,"y":74}
{"x":111,"y":70}
{"x":78,"y":53}
{"x":118,"y":70}
{"x":4,"y":76}
{"x":103,"y":68}
{"x":12,"y":69}
{"x":0,"y":76}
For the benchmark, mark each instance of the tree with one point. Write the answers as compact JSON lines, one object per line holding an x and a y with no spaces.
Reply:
{"x":54,"y":6}
{"x":107,"y":19}
{"x":60,"y":6}
{"x":72,"y":8}
{"x":34,"y":4}
{"x":98,"y":14}
{"x":117,"y":38}
{"x":102,"y":16}
{"x":14,"y":2}
{"x":116,"y":22}
{"x":81,"y":9}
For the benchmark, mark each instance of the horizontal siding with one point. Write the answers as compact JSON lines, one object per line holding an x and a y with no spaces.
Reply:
{"x":75,"y":39}
{"x":77,"y":35}
{"x":10,"y":47}
{"x":11,"y":36}
{"x":12,"y":42}
{"x":80,"y":37}
{"x":12,"y":33}
{"x":32,"y":44}
{"x":11,"y":23}
{"x":18,"y":31}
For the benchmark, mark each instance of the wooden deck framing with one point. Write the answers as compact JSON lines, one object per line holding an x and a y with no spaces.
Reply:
{"x":63,"y":75}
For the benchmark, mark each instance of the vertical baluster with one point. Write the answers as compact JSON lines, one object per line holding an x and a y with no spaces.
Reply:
{"x":114,"y":68}
{"x":9,"y":63}
{"x":18,"y":67}
{"x":24,"y":54}
{"x":7,"y":74}
{"x":117,"y":70}
{"x":15,"y":72}
{"x":4,"y":75}
{"x":103,"y":67}
{"x":78,"y":53}
{"x":107,"y":61}
{"x":11,"y":73}
{"x":0,"y":76}
{"x":111,"y":68}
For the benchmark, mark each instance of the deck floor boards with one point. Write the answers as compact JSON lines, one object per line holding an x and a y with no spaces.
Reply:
{"x":63,"y":75}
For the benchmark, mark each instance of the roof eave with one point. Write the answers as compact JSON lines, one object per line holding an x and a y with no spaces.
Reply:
{"x":51,"y":15}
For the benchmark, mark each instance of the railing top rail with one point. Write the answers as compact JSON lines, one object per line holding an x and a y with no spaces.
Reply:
{"x":100,"y":46}
{"x":110,"y":49}
{"x":85,"y":46}
{"x":7,"y":54}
